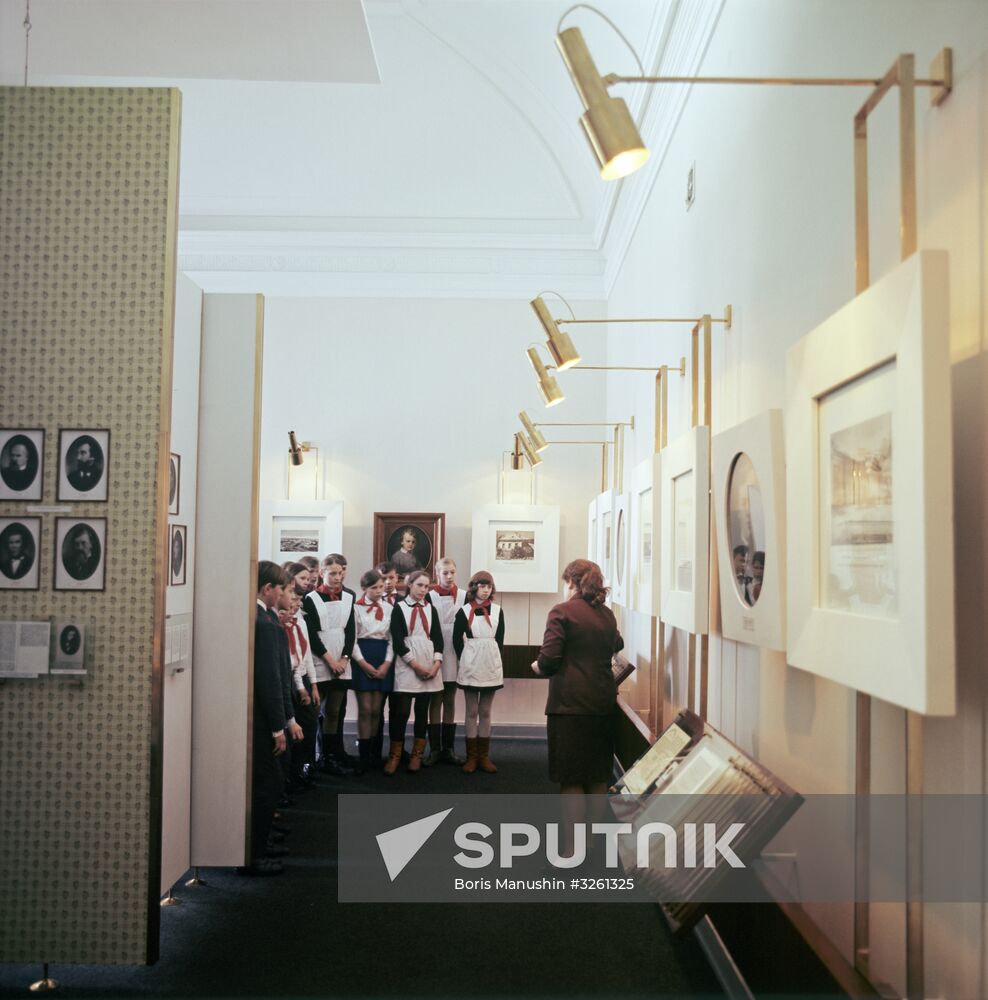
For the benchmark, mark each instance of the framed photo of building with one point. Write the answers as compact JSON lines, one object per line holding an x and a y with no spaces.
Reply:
{"x":749,"y":492}
{"x":409,"y":541}
{"x":174,"y":482}
{"x":178,"y":553}
{"x":685,"y":546}
{"x":621,"y":557}
{"x":22,"y":458}
{"x":20,"y":553}
{"x":519,"y":545}
{"x":646,"y":517}
{"x":80,"y":553}
{"x":290,"y":529}
{"x":870,"y":553}
{"x":83,"y":465}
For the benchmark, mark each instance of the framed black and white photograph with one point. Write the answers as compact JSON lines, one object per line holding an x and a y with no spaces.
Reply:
{"x":83,"y":465}
{"x":20,"y":553}
{"x":22,"y":454}
{"x":178,"y":551}
{"x":174,"y":482}
{"x":80,"y":553}
{"x":69,"y":648}
{"x":519,"y":544}
{"x":290,"y":529}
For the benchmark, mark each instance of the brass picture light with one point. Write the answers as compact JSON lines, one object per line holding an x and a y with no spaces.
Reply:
{"x":548,"y":386}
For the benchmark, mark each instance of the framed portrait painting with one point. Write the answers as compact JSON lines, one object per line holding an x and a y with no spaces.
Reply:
{"x":22,"y":456}
{"x":409,"y":541}
{"x":749,"y":492}
{"x":645,"y":578}
{"x":870,"y":551}
{"x":83,"y":465}
{"x":80,"y":553}
{"x":685,"y":548}
{"x":290,"y":529}
{"x":519,"y":545}
{"x":20,"y":553}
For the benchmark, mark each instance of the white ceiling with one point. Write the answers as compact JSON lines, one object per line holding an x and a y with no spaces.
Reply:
{"x":463,"y":171}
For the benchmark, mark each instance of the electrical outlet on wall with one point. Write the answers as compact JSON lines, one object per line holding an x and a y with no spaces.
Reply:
{"x":691,"y":186}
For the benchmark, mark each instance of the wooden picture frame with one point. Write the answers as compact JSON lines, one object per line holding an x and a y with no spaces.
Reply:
{"x":174,"y":483}
{"x":428,"y":532}
{"x":20,"y":553}
{"x":80,"y":553}
{"x":178,"y":554}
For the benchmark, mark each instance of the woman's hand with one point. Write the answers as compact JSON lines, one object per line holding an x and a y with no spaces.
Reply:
{"x":535,"y":669}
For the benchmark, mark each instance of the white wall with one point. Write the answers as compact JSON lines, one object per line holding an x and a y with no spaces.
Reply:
{"x":411,"y":403}
{"x":772,"y":233}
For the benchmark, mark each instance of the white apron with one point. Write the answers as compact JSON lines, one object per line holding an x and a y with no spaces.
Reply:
{"x":420,"y":649}
{"x":480,"y":664}
{"x":333,"y":616}
{"x":446,"y":608}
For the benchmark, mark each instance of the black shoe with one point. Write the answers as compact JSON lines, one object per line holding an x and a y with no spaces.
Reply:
{"x":276,"y":851}
{"x":337,"y":768}
{"x":449,"y":756}
{"x":262,"y":867}
{"x":274,"y":837}
{"x":286,"y":802}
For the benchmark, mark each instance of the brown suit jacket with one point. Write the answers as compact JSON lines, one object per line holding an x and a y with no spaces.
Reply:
{"x":576,"y":656}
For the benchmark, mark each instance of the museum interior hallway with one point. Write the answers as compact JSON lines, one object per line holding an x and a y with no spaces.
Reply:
{"x":288,"y":937}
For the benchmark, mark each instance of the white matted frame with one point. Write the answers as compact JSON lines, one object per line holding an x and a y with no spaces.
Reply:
{"x":621,"y":555}
{"x":871,"y":573}
{"x":605,"y":535}
{"x":519,"y":545}
{"x":762,"y":623}
{"x":685,"y":545}
{"x":290,"y":529}
{"x":646,"y":514}
{"x":593,"y":525}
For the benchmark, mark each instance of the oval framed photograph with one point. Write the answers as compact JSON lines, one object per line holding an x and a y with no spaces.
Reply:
{"x":19,"y":553}
{"x":80,"y":553}
{"x":21,"y":460}
{"x":84,"y":464}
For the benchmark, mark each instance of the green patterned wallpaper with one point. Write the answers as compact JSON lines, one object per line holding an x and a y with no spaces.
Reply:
{"x":84,"y":244}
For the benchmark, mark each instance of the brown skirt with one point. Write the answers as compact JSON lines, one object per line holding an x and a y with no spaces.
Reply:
{"x":581,"y":749}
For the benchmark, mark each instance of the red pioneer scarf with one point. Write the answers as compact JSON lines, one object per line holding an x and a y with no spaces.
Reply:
{"x":417,"y":611}
{"x":375,"y":606}
{"x":482,"y":607}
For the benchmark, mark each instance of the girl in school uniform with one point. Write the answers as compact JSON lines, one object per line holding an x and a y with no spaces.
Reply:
{"x":418,"y":646}
{"x":373,"y":658}
{"x":330,"y":623}
{"x":304,"y":681}
{"x":447,"y":598}
{"x":478,"y":638}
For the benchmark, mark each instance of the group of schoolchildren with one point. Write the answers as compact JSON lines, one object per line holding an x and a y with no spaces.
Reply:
{"x":315,"y":640}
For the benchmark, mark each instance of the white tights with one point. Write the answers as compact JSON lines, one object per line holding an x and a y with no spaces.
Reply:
{"x":478,"y":713}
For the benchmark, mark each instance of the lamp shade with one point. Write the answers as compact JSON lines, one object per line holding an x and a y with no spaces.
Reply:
{"x":564,"y":354}
{"x":294,"y":449}
{"x":534,"y":434}
{"x":531,"y":454}
{"x":548,"y":386}
{"x":607,"y":122}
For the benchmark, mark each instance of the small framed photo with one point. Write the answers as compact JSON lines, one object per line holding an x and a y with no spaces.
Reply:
{"x":409,"y":541}
{"x":870,"y":541}
{"x":80,"y":553}
{"x":178,"y":551}
{"x":605,"y":536}
{"x":519,"y":545}
{"x":750,"y":514}
{"x":646,"y":517}
{"x":290,"y":529}
{"x":174,"y":482}
{"x":83,"y":465}
{"x":592,"y":530}
{"x":69,"y":648}
{"x":20,"y":553}
{"x":685,"y":548}
{"x":22,"y":455}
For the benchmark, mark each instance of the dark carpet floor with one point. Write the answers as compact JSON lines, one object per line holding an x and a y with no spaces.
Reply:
{"x":288,"y":937}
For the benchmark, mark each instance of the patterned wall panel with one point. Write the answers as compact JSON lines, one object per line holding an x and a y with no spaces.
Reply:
{"x":85,"y":290}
